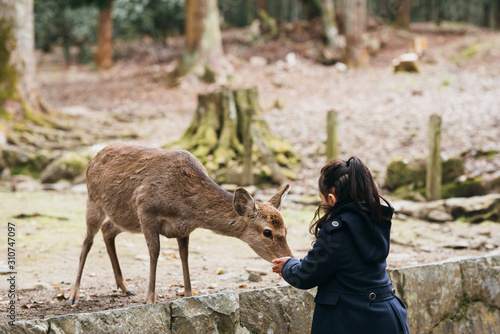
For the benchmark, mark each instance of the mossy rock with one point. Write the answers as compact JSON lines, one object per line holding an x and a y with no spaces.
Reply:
{"x":68,"y":166}
{"x":468,"y":188}
{"x":453,"y":168}
{"x":18,"y":161}
{"x":398,"y":174}
{"x":412,"y":174}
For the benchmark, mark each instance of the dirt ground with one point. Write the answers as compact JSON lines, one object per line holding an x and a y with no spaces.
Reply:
{"x":382,"y":115}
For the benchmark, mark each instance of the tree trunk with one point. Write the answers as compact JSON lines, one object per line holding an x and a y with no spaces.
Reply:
{"x":104,"y":56}
{"x":261,"y":6}
{"x":329,"y":22}
{"x":226,"y":121}
{"x":203,"y":53}
{"x":403,"y":15}
{"x":355,"y":24}
{"x":498,"y":14}
{"x":19,"y":96}
{"x":340,"y":15}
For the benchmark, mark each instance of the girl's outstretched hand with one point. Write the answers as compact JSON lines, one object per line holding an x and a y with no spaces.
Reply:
{"x":279,"y":263}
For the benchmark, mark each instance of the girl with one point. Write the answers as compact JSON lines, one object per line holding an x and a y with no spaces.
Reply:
{"x":348,"y":259}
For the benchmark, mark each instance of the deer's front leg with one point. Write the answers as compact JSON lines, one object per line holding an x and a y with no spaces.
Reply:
{"x":153,"y":242}
{"x":184,"y":252}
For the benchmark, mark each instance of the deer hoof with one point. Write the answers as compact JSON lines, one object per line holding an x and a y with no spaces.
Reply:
{"x":130,"y":293}
{"x":73,"y":302}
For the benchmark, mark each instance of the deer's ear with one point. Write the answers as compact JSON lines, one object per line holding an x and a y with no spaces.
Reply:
{"x":244,"y":203}
{"x":278,"y":199}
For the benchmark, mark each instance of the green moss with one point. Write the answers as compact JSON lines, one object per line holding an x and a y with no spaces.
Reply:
{"x":68,"y":166}
{"x":26,"y":169}
{"x":471,"y":51}
{"x":462,"y":309}
{"x":8,"y":73}
{"x":467,"y":188}
{"x":453,"y":168}
{"x":398,"y":174}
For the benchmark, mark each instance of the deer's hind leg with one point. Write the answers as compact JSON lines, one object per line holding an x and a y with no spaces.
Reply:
{"x":95,"y":216}
{"x":109,"y":233}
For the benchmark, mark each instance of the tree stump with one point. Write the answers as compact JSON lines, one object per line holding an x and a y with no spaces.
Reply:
{"x":230,"y":137}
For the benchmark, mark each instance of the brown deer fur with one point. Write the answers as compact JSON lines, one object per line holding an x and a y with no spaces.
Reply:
{"x":154,"y":191}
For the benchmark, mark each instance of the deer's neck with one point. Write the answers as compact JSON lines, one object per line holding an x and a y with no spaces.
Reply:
{"x":219,"y":215}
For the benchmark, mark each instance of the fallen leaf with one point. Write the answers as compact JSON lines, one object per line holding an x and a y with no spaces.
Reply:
{"x":61,"y":296}
{"x":242,"y":286}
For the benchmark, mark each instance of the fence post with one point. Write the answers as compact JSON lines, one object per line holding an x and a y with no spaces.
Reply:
{"x":434,"y":168}
{"x":247,"y":177}
{"x":332,"y":142}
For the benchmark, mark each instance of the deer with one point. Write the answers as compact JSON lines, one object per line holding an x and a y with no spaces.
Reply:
{"x":156,"y":192}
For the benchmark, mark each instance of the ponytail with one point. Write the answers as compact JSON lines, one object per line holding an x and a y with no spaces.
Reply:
{"x":350,"y":181}
{"x":362,"y":188}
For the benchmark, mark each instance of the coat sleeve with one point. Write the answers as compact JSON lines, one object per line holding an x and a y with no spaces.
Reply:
{"x":317,"y":266}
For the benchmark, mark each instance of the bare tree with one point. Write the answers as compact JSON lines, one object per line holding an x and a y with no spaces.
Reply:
{"x":104,"y":56}
{"x":403,"y":15}
{"x":19,"y":96}
{"x":261,"y":6}
{"x":203,"y":53}
{"x":355,"y":25}
{"x":329,"y":22}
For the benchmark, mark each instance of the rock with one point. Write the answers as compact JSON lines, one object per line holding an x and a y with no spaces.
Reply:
{"x":68,"y":166}
{"x":59,"y":186}
{"x":217,"y":313}
{"x":398,"y":173}
{"x":257,"y":271}
{"x":407,"y":62}
{"x":257,"y":61}
{"x":79,"y":188}
{"x":277,"y":310}
{"x":29,"y":186}
{"x":477,"y":318}
{"x":253,"y":277}
{"x":138,"y":319}
{"x":236,"y":277}
{"x":480,"y":280}
{"x":488,"y":207}
{"x":5,"y":269}
{"x":14,"y":156}
{"x":477,"y":244}
{"x":472,"y":206}
{"x":439,"y":216}
{"x":453,"y":168}
{"x":437,"y":300}
{"x":459,"y":244}
{"x":22,"y":327}
{"x":418,"y":210}
{"x":466,"y":188}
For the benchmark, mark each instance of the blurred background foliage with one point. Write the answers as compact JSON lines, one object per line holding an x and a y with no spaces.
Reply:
{"x":68,"y":23}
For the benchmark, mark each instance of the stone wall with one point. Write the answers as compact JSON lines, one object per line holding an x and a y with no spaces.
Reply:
{"x":461,"y":296}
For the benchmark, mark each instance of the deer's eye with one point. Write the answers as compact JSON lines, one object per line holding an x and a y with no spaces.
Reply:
{"x":268,"y":233}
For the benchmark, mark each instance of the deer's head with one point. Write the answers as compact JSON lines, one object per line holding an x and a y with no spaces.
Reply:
{"x":265,"y":229}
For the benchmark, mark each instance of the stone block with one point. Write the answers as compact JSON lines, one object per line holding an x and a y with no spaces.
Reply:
{"x":138,"y":319}
{"x":431,"y":293}
{"x":481,"y":280}
{"x":217,"y":313}
{"x":277,"y":310}
{"x":32,"y":327}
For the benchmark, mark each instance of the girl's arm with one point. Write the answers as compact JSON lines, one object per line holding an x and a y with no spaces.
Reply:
{"x":315,"y":268}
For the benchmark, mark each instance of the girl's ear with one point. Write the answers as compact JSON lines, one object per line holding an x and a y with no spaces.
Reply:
{"x":331,"y":199}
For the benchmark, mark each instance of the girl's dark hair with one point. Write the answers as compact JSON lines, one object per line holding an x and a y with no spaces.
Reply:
{"x":349,"y":181}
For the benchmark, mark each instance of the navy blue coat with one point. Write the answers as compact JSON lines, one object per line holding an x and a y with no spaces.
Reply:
{"x":348,"y":265}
